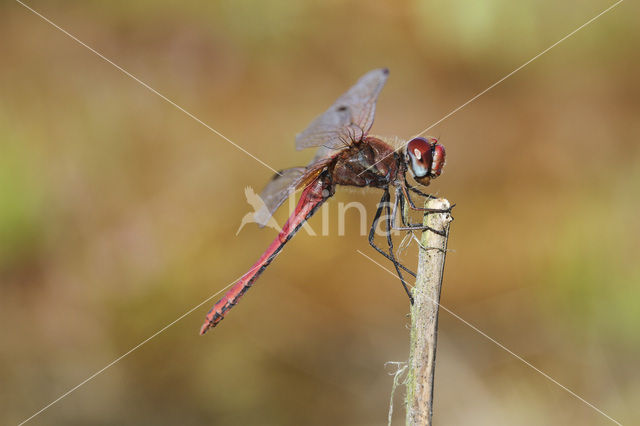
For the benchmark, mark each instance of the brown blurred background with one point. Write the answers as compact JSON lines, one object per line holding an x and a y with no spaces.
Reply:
{"x":118,"y":212}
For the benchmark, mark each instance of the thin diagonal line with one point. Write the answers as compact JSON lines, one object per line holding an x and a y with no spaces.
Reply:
{"x":519,"y":68}
{"x":136,"y":347}
{"x":128,"y":74}
{"x":500,"y":345}
{"x":503,"y":78}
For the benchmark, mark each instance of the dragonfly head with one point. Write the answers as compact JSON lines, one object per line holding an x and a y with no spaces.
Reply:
{"x":426,"y":159}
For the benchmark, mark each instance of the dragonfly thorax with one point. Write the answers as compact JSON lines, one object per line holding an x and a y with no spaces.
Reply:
{"x":371,"y":162}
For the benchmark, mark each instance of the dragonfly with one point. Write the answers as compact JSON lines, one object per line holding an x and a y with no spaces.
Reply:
{"x":347,"y":155}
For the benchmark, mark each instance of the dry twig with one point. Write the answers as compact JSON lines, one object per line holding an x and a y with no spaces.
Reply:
{"x":424,"y":315}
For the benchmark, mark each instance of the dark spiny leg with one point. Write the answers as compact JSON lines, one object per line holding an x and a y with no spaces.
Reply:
{"x":416,"y":190}
{"x":404,"y":191}
{"x":384,"y":201}
{"x":423,"y":209}
{"x":390,"y":220}
{"x":403,"y":206}
{"x":417,"y":227}
{"x":408,"y":226}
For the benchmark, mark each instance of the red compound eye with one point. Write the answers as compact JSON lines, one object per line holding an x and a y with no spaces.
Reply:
{"x":419,"y":151}
{"x":438,"y":160}
{"x":425,"y":158}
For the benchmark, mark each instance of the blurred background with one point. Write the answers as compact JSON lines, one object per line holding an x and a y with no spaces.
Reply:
{"x":118,"y":212}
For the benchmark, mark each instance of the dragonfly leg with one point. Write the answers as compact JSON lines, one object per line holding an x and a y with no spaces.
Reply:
{"x":401,"y":195}
{"x":416,"y":190}
{"x":372,"y":231}
{"x":390,"y":220}
{"x":406,"y":226}
{"x":418,"y":227}
{"x":405,"y":193}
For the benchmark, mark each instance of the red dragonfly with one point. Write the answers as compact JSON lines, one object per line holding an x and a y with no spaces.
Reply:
{"x":347,"y":155}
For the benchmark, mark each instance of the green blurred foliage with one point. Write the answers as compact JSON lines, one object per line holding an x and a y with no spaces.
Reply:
{"x":21,"y":200}
{"x":593,"y":270}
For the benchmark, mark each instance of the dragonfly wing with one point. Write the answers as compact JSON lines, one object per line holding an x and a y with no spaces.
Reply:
{"x":284,"y":185}
{"x":277,"y":191}
{"x":349,"y":118}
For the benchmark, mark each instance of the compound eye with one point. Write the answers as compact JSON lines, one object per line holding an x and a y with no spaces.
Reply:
{"x":419,"y":151}
{"x":438,"y":160}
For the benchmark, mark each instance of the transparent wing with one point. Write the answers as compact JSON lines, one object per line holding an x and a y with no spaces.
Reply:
{"x":282,"y":186}
{"x":277,"y":191}
{"x":349,"y":118}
